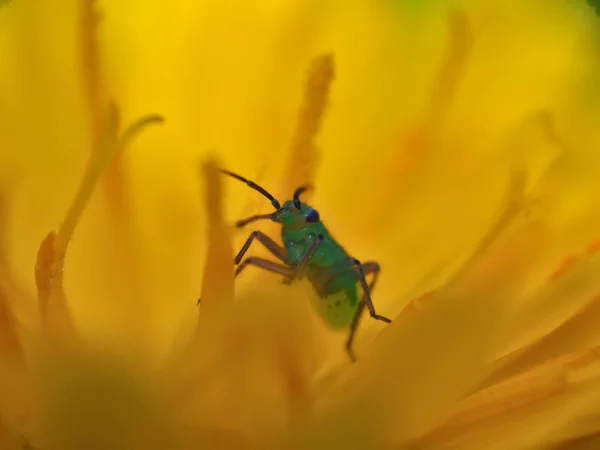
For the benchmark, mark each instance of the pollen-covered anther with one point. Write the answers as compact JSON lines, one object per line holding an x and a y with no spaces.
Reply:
{"x":303,"y":156}
{"x":43,"y":271}
{"x":54,"y":314}
{"x":316,"y":95}
{"x":321,"y":75}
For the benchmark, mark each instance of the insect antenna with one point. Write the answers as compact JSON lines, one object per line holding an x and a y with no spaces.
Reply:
{"x":297,"y":194}
{"x":254,"y":186}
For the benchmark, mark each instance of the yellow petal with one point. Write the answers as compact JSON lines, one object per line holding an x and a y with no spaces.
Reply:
{"x":249,"y":366}
{"x":10,"y":345}
{"x":18,"y":296}
{"x":96,"y":401}
{"x":14,"y":379}
{"x":571,"y":329}
{"x":476,"y":300}
{"x":10,"y":439}
{"x":554,"y":304}
{"x":417,"y":147}
{"x":539,"y":409}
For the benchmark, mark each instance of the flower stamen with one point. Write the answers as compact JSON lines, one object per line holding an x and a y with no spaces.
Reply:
{"x":303,"y":156}
{"x":217,"y":281}
{"x":53,"y":249}
{"x":90,"y":66}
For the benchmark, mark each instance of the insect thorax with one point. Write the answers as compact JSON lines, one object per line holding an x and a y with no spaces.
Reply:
{"x":297,"y":241}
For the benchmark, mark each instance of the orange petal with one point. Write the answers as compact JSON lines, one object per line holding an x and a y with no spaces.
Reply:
{"x":9,"y":438}
{"x":14,"y":388}
{"x":10,"y":345}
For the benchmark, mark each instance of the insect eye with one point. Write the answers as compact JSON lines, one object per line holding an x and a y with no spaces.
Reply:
{"x":312,"y":216}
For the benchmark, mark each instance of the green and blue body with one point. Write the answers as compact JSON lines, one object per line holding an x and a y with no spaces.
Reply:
{"x":309,"y":251}
{"x":328,"y":270}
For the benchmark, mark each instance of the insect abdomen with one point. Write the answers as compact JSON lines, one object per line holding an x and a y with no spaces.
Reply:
{"x":338,"y":297}
{"x":337,"y":309}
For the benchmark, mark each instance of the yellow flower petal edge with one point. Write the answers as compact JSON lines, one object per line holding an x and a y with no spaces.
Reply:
{"x":566,"y":322}
{"x":553,"y":402}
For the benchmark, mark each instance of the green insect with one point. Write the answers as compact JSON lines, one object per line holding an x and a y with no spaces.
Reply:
{"x":310,"y":251}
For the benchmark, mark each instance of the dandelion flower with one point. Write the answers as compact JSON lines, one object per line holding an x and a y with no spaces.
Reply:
{"x":453,"y":144}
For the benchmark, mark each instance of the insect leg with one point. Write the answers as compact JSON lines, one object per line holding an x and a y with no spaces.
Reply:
{"x":265,"y":240}
{"x":365,"y":269}
{"x":353,"y":328}
{"x":269,"y":244}
{"x":264,"y":264}
{"x":309,"y":254}
{"x":366,"y":294}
